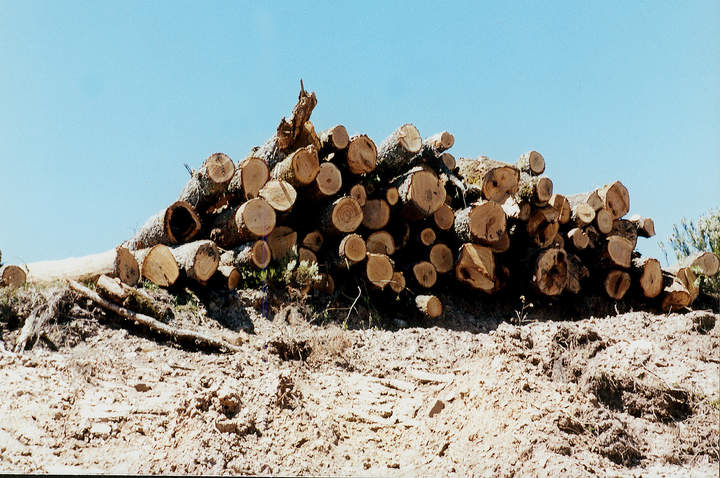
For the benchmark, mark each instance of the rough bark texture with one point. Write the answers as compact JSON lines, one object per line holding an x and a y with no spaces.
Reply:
{"x":536,"y":190}
{"x":118,"y":262}
{"x":577,"y":272}
{"x":531,"y":163}
{"x":255,"y":254}
{"x":177,"y":224}
{"x":396,"y":151}
{"x":208,"y":182}
{"x":198,"y":260}
{"x":438,"y":143}
{"x":429,"y":305}
{"x":134,"y":299}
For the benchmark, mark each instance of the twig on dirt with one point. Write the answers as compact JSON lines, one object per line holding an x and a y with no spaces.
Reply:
{"x":36,"y":321}
{"x":352,"y":306}
{"x":153,"y":324}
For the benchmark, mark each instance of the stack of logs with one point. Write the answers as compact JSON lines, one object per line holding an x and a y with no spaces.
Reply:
{"x":402,"y":215}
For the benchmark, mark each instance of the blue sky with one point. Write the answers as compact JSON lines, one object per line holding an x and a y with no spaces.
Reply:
{"x":101,"y":103}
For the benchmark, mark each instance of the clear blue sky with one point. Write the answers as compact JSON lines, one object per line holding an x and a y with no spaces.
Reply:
{"x":101,"y":103}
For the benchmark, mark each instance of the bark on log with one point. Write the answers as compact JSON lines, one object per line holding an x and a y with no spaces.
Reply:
{"x":230,"y":276}
{"x":444,"y":218}
{"x":441,"y":257}
{"x":313,"y":240}
{"x":536,"y":190}
{"x":707,"y":262}
{"x":254,"y":254}
{"x":208,"y":182}
{"x":118,"y":262}
{"x":617,"y":283}
{"x":12,"y":276}
{"x":582,"y":213}
{"x":396,"y":151}
{"x":343,"y":216}
{"x":381,"y":242}
{"x":517,"y":210}
{"x":334,"y":139}
{"x":675,"y":295}
{"x":279,"y":194}
{"x":376,"y":214}
{"x":688,"y":278}
{"x":550,"y":274}
{"x":379,"y":270}
{"x":282,"y":241}
{"x":497,"y":180}
{"x":615,"y":198}
{"x":299,"y":168}
{"x":158,"y":265}
{"x":483,"y":222}
{"x":251,"y":220}
{"x":531,"y":163}
{"x":308,"y":137}
{"x":134,"y":299}
{"x":476,"y":267}
{"x":438,"y":143}
{"x":198,"y":260}
{"x":283,"y":141}
{"x":645,"y":225}
{"x":177,"y":224}
{"x":647,"y":273}
{"x":429,"y":305}
{"x":590,"y":198}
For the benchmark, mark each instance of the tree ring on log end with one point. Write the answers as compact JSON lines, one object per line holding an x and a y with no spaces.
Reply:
{"x":182,"y":223}
{"x":220,"y":167}
{"x":347,"y":215}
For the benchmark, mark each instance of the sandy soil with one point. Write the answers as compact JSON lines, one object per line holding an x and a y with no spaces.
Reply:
{"x":632,"y":394}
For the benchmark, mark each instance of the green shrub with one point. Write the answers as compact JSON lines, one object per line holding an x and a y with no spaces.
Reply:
{"x":691,"y":236}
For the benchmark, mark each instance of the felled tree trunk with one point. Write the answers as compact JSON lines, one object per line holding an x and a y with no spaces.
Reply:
{"x":313,"y":240}
{"x":279,"y":194}
{"x":537,"y":190}
{"x":550,"y":273}
{"x":342,"y":216}
{"x":424,"y":274}
{"x":327,"y":183}
{"x":358,"y":193}
{"x":615,"y":198}
{"x":334,"y":139}
{"x":11,"y":276}
{"x":441,"y":256}
{"x":543,"y":226}
{"x":438,"y":143}
{"x":577,"y":272}
{"x":352,"y":250}
{"x":198,"y":260}
{"x":626,"y":229}
{"x":617,"y":252}
{"x":444,"y":217}
{"x":118,"y":262}
{"x":496,"y":180}
{"x":379,"y":270}
{"x":158,"y":265}
{"x":429,"y":305}
{"x":645,"y":225}
{"x":647,"y":273}
{"x":282,"y":241}
{"x":251,"y":175}
{"x":177,"y":224}
{"x":299,"y":168}
{"x":590,"y":198}
{"x":675,"y":295}
{"x":476,"y":267}
{"x":251,"y":220}
{"x":421,"y":193}
{"x":617,"y":283}
{"x":604,"y":220}
{"x":131,"y":298}
{"x":531,"y":163}
{"x":707,"y":262}
{"x":255,"y":254}
{"x":381,"y":242}
{"x":562,"y":206}
{"x":577,"y":239}
{"x":396,"y":151}
{"x":208,"y":182}
{"x":376,"y":214}
{"x":483,"y":222}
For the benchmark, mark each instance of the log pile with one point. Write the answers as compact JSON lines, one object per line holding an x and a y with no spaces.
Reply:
{"x":402,"y":215}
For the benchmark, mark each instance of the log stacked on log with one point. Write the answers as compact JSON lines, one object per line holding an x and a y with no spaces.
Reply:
{"x":402,"y":215}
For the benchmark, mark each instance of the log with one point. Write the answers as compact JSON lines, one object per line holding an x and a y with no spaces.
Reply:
{"x":397,"y":283}
{"x":626,"y":229}
{"x":396,"y":151}
{"x":483,"y":222}
{"x":131,"y":298}
{"x":577,"y":239}
{"x":352,"y":250}
{"x":604,"y":221}
{"x":441,"y":257}
{"x":376,"y":214}
{"x":617,"y":283}
{"x":153,"y":324}
{"x":536,"y":190}
{"x":279,"y":194}
{"x":308,"y":137}
{"x":208,"y":182}
{"x":326,"y":284}
{"x":358,"y":193}
{"x":647,"y":273}
{"x":531,"y":163}
{"x":448,"y":160}
{"x":617,"y":252}
{"x":438,"y":143}
{"x":424,"y":274}
{"x":689,"y":279}
{"x":12,"y":276}
{"x":550,"y":274}
{"x":558,"y":241}
{"x":343,"y":216}
{"x":177,"y":224}
{"x":334,"y":139}
{"x":392,"y":196}
{"x":327,"y":183}
{"x":675,"y":295}
{"x":444,"y":218}
{"x":299,"y":168}
{"x":253,"y":254}
{"x":313,"y":240}
{"x":283,"y":141}
{"x":361,"y":155}
{"x":379,"y":270}
{"x":251,"y":175}
{"x":590,"y":198}
{"x":429,"y":305}
{"x":283,"y":242}
{"x":118,"y":262}
{"x":427,"y":237}
{"x":381,"y":242}
{"x":476,"y":267}
{"x":577,"y":272}
{"x":158,"y":265}
{"x":562,"y":206}
{"x":306,"y":255}
{"x":496,"y":180}
{"x":400,"y":231}
{"x":502,"y":244}
{"x":615,"y":198}
{"x":582,"y":213}
{"x":543,"y":226}
{"x":517,"y":210}
{"x":706,"y":263}
{"x":251,"y":220}
{"x":645,"y":225}
{"x":230,"y":275}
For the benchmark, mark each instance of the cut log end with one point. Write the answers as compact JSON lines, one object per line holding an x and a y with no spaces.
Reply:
{"x":12,"y":276}
{"x":429,"y":305}
{"x":256,"y":216}
{"x":476,"y":267}
{"x":615,"y":198}
{"x":376,"y":214}
{"x":651,"y":280}
{"x":618,"y":251}
{"x":532,"y":163}
{"x":425,"y":274}
{"x":335,"y":138}
{"x":254,"y":173}
{"x":616,"y":284}
{"x":392,"y":196}
{"x":604,"y":221}
{"x":347,"y":215}
{"x":328,"y":181}
{"x":707,"y":262}
{"x":313,"y":240}
{"x":441,"y":257}
{"x":583,"y":214}
{"x":444,"y":217}
{"x":381,"y":242}
{"x":578,"y":239}
{"x":397,"y":284}
{"x":551,"y":272}
{"x":352,"y":248}
{"x":279,"y":194}
{"x":379,"y":270}
{"x":359,"y":193}
{"x":158,"y":265}
{"x":440,"y":142}
{"x":361,"y":155}
{"x":219,"y":168}
{"x":424,"y":194}
{"x":645,"y":225}
{"x":282,"y":242}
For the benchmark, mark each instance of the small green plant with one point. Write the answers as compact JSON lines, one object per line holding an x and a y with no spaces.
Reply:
{"x":692,"y":236}
{"x":284,"y":273}
{"x":521,"y":315}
